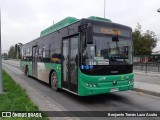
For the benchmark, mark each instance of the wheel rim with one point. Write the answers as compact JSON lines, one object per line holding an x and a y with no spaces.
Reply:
{"x":54,"y":81}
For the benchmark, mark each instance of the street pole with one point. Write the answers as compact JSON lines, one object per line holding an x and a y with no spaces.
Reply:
{"x":0,"y":69}
{"x":104,"y":7}
{"x":1,"y":89}
{"x":17,"y":51}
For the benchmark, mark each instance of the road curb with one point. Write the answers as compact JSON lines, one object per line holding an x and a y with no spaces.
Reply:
{"x":146,"y":92}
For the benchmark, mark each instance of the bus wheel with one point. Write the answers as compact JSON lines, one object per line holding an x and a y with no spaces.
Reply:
{"x":26,"y":71}
{"x":54,"y":81}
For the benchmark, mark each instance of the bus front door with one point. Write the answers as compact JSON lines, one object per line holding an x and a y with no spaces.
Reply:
{"x":69,"y":64}
{"x":34,"y":60}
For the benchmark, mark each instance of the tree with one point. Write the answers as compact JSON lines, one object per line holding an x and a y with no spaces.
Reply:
{"x":144,"y":43}
{"x":5,"y":56}
{"x":12,"y":52}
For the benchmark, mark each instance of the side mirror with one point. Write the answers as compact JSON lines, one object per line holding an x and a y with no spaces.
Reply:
{"x":89,"y":34}
{"x":89,"y":37}
{"x":115,"y":38}
{"x":88,"y":31}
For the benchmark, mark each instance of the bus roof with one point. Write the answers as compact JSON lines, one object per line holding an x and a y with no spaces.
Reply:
{"x":63,"y":23}
{"x":99,"y":19}
{"x":66,"y":22}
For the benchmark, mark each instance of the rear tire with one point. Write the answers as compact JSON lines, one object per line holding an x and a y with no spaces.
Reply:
{"x":26,"y":71}
{"x":54,"y":81}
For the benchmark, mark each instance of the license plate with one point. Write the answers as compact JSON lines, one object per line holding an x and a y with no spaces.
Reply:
{"x":114,"y":90}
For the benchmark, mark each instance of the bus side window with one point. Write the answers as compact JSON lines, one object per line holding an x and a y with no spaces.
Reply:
{"x":56,"y":58}
{"x":55,"y":53}
{"x":40,"y":54}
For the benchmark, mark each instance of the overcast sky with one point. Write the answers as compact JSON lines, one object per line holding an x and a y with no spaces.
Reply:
{"x":23,"y":20}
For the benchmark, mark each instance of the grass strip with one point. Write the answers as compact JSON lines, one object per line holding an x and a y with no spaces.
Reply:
{"x":14,"y":98}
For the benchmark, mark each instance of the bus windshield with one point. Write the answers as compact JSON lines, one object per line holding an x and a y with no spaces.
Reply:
{"x":105,"y":51}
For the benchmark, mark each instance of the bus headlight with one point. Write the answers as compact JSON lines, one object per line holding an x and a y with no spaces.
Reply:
{"x":87,"y":84}
{"x":130,"y":81}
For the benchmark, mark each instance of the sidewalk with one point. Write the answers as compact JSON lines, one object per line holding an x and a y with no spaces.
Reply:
{"x":151,"y":88}
{"x":44,"y":102}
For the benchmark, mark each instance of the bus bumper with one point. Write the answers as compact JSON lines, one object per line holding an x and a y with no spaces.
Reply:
{"x":94,"y":87}
{"x":96,"y":91}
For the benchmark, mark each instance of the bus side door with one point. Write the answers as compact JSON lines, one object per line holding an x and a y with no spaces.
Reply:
{"x":34,"y":60}
{"x":70,"y":63}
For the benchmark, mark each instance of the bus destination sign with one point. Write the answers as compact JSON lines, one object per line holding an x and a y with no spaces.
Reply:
{"x":122,"y":32}
{"x":110,"y":31}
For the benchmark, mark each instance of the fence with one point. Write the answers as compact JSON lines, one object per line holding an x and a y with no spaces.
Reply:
{"x":147,"y":67}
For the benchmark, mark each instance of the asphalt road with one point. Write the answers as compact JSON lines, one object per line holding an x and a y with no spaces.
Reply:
{"x":120,"y":101}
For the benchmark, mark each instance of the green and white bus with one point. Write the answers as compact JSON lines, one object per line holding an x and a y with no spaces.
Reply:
{"x":87,"y":56}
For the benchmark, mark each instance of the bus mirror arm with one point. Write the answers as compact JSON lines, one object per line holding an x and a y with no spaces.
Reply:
{"x":85,"y":27}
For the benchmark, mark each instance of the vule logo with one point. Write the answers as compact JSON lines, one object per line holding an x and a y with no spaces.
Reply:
{"x":114,"y":72}
{"x":114,"y":82}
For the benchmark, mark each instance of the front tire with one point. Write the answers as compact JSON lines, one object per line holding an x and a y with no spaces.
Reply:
{"x":54,"y":81}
